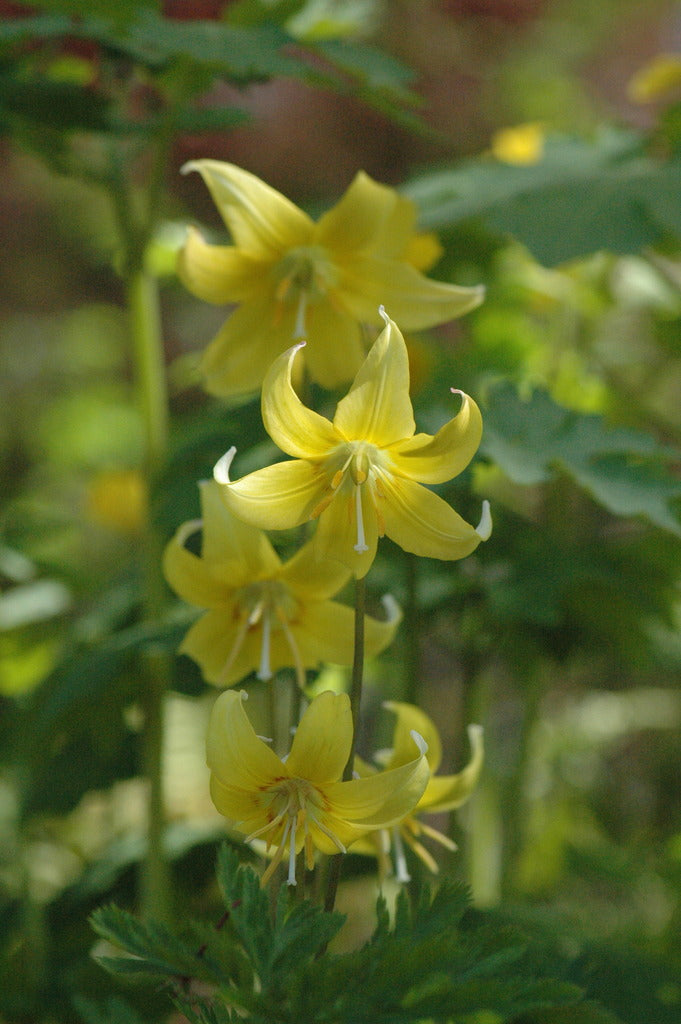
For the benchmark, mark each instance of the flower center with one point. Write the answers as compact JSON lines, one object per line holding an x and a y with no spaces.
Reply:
{"x":267,"y":605}
{"x":354,"y":465}
{"x":304,"y":275}
{"x":292,"y":805}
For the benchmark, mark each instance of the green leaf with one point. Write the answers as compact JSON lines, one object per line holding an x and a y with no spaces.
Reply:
{"x":579,"y":198}
{"x":60,"y":106}
{"x":624,"y":470}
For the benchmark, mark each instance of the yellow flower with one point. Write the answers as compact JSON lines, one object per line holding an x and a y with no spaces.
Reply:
{"x":300,"y":802}
{"x":262,"y":614}
{"x":521,"y":145}
{"x":361,"y":475}
{"x":443,"y":792}
{"x":659,"y":79}
{"x":292,"y":277}
{"x":118,"y":499}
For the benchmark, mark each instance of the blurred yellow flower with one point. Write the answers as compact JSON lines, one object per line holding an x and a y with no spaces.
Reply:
{"x":521,"y":145}
{"x":299,"y":802}
{"x":292,"y":277}
{"x":361,"y":475}
{"x":262,"y":614}
{"x":657,"y":80}
{"x":443,"y":792}
{"x":118,"y":500}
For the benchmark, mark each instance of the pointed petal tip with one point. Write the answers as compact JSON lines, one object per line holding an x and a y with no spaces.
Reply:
{"x":475,"y":733}
{"x":191,"y":165}
{"x":384,"y":316}
{"x":419,"y":741}
{"x":222,"y":467}
{"x":484,"y":527}
{"x":393,"y":611}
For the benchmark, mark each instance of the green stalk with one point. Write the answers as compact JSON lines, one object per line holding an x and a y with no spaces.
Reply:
{"x":355,"y":702}
{"x":145,"y":327}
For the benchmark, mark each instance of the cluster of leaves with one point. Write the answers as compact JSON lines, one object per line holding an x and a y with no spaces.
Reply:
{"x":433,"y":961}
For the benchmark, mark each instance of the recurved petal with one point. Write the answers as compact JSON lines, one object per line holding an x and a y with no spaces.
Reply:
{"x":312,"y":578}
{"x":321,"y":745}
{"x":446,"y":792}
{"x":358,"y":217}
{"x":377,"y":407}
{"x":191,"y":577}
{"x":236,"y":551}
{"x":218,"y":273}
{"x":297,"y":430}
{"x":413,"y":300}
{"x":411,"y":718}
{"x":421,"y":522}
{"x":261,"y":220}
{"x":433,"y":460}
{"x":235,"y":755}
{"x":325,"y":633}
{"x":383,"y":799}
{"x":247,"y":343}
{"x":277,"y":497}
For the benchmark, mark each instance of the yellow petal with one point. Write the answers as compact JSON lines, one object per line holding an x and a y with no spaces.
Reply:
{"x":336,"y":536}
{"x":409,"y":718}
{"x":235,"y":551}
{"x":190,"y":577}
{"x":446,"y":792}
{"x":321,"y":745}
{"x":239,"y":805}
{"x":433,"y":460}
{"x":235,"y":755}
{"x":261,"y":220}
{"x":396,"y":239}
{"x":247,"y":343}
{"x":218,"y":273}
{"x":377,"y":407}
{"x":313,"y":578}
{"x":421,"y":522}
{"x":224,"y":649}
{"x":413,"y":300}
{"x":334,"y":351}
{"x":383,"y":799}
{"x":277,"y":497}
{"x":359,"y":217}
{"x":297,"y":430}
{"x":325,"y":632}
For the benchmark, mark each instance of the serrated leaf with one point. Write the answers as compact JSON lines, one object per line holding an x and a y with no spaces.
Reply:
{"x":624,"y":470}
{"x":579,"y":198}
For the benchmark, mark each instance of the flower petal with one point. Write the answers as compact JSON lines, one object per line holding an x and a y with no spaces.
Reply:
{"x":383,"y":799}
{"x":297,"y":430}
{"x":236,"y":551}
{"x":261,"y":220}
{"x":235,"y":755}
{"x":359,"y":217}
{"x":248,"y":341}
{"x":413,"y":300}
{"x":377,"y":407}
{"x":337,"y":534}
{"x":421,"y":522}
{"x":325,"y":632}
{"x":190,"y":577}
{"x":218,"y":273}
{"x":277,"y":497}
{"x":410,"y":718}
{"x":433,"y":460}
{"x":312,"y":578}
{"x":334,"y":351}
{"x":446,"y":792}
{"x":321,"y":745}
{"x":223,"y":648}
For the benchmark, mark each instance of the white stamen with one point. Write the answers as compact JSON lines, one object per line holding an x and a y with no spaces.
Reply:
{"x":361,"y":544}
{"x":484,"y":527}
{"x":292,"y":852}
{"x":264,"y":670}
{"x":299,"y":327}
{"x":401,"y":870}
{"x":222,"y":466}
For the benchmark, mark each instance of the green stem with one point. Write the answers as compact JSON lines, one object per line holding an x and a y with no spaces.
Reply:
{"x":412,"y":641}
{"x":355,"y":702}
{"x":145,"y":326}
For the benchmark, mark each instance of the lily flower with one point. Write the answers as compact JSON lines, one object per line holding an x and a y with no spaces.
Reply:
{"x":442,"y":793}
{"x":361,"y":475}
{"x":292,"y":277}
{"x":300,"y":802}
{"x":261,"y":614}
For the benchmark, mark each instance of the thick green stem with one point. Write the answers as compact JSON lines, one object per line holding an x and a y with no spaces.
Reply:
{"x":145,"y":326}
{"x":355,"y":702}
